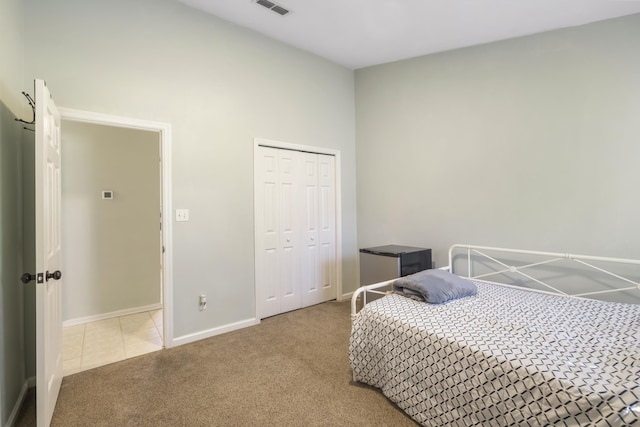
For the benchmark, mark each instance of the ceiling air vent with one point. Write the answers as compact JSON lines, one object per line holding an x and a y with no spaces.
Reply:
{"x":274,"y":7}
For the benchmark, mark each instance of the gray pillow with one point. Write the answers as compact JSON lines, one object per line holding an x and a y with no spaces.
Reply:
{"x":434,"y":286}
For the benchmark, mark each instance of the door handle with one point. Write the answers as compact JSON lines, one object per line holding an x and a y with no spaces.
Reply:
{"x":56,"y":275}
{"x":26,"y":278}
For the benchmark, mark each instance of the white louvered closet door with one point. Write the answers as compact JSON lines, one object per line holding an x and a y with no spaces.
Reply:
{"x":295,"y":230}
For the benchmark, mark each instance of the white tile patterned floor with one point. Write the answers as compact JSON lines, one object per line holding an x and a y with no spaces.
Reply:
{"x":106,"y":341}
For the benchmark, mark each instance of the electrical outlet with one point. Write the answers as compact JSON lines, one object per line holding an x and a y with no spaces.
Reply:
{"x":203,"y":302}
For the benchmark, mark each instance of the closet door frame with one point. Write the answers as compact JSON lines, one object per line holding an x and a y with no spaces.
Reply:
{"x":260,"y":142}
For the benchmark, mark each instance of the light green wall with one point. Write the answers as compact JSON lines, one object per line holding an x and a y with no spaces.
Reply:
{"x":29,"y":244}
{"x":111,"y":248}
{"x":528,"y":143}
{"x":12,"y":345}
{"x":12,"y":59}
{"x":12,"y":352}
{"x":219,"y":86}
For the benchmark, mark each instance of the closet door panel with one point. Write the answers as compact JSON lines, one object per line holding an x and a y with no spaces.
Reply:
{"x":267,"y":233}
{"x":290,"y":247}
{"x":271,"y":282}
{"x":327,"y":271}
{"x":270,"y":215}
{"x":327,"y":225}
{"x":309,"y":208}
{"x":310,"y":216}
{"x":289,"y":280}
{"x":288,"y":168}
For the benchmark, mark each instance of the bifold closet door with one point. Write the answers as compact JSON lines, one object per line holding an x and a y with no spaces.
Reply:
{"x":287,"y":212}
{"x":277,"y":236}
{"x":318,"y":222}
{"x":328,"y":258}
{"x":295,"y":230}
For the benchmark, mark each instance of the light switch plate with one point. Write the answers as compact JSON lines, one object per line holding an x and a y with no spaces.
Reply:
{"x":182,"y":214}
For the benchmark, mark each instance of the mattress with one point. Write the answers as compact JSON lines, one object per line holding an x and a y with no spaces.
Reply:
{"x":503,"y":357}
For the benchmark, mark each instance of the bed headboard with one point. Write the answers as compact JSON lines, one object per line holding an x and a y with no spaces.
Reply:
{"x":608,"y":279}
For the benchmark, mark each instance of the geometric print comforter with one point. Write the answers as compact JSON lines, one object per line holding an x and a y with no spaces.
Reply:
{"x":505,"y":357}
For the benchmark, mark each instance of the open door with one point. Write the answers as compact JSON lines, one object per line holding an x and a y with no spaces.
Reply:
{"x":48,"y":261}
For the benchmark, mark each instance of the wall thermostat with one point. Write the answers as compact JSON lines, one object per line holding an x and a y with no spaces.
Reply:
{"x":107,"y":194}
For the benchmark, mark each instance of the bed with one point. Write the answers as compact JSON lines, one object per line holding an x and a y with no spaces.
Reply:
{"x":522,"y":351}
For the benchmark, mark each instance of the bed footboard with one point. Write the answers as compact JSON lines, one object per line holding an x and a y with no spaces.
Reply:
{"x":362,"y":291}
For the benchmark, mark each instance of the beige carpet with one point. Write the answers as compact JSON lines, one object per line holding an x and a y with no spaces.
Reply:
{"x":291,"y":370}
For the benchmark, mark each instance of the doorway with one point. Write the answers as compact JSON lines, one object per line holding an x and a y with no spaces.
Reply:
{"x":127,"y":208}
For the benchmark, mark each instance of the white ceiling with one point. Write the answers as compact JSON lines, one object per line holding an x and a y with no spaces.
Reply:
{"x":360,"y":33}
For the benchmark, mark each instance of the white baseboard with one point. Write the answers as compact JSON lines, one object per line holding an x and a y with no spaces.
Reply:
{"x":30,"y":382}
{"x":96,"y":317}
{"x":185,"y":339}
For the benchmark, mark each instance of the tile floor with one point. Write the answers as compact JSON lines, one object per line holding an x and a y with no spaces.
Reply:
{"x":106,"y":341}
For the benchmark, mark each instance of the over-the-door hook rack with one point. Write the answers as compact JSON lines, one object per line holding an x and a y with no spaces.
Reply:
{"x":33,"y":110}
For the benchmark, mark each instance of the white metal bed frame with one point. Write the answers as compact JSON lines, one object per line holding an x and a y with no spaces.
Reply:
{"x":551,"y":257}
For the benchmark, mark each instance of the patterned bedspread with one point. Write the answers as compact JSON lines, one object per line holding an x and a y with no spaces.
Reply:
{"x":505,"y":357}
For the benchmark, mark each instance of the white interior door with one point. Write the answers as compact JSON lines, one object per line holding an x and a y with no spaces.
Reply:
{"x":48,"y":248}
